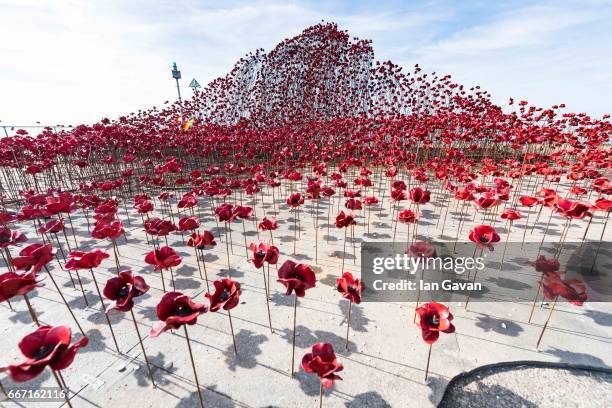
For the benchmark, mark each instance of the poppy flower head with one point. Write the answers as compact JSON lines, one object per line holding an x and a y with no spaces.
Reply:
{"x":353,"y":204}
{"x":345,"y":220}
{"x":47,"y":346}
{"x":511,"y":215}
{"x":123,"y":289}
{"x":11,"y":238}
{"x":243,"y":212}
{"x":268,"y":224}
{"x":603,"y":204}
{"x":420,"y":196}
{"x":421,"y":249}
{"x":484,"y":236}
{"x":188,"y":223}
{"x":371,"y":200}
{"x":296,"y":277}
{"x":408,"y":217}
{"x":104,"y":230}
{"x":349,"y":287}
{"x":163,"y":258}
{"x":264,"y":253}
{"x":225,"y":212}
{"x":572,"y":290}
{"x":52,"y":227}
{"x":85,"y":260}
{"x":295,"y":200}
{"x":34,"y":257}
{"x":543,"y":264}
{"x":226,"y":295}
{"x":434,"y":318}
{"x":323,"y":362}
{"x":159,"y":227}
{"x":201,"y":241}
{"x":572,"y":209}
{"x":174,"y":310}
{"x":17,"y":284}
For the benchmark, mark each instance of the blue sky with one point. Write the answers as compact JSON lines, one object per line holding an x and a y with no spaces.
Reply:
{"x":74,"y":62}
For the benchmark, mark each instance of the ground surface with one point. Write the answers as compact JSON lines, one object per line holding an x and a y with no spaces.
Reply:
{"x":385,"y":363}
{"x":530,"y":387}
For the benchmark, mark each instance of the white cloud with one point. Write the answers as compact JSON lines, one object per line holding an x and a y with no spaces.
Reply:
{"x":76,"y":61}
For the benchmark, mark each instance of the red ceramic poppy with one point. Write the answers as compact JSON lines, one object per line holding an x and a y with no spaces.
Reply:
{"x":296,"y":277}
{"x":421,"y":249}
{"x":47,"y":346}
{"x":572,"y":290}
{"x":295,"y":200}
{"x":33,"y":257}
{"x":144,"y":207}
{"x":349,"y":287}
{"x":433,"y":319}
{"x":111,"y":231}
{"x":159,"y":227}
{"x":602,"y":204}
{"x":353,"y":204}
{"x":52,"y":227}
{"x":226,"y":295}
{"x":175,"y":310}
{"x":345,"y":220}
{"x":188,"y":223}
{"x":268,"y":224}
{"x":486,"y":201}
{"x":86,"y":260}
{"x":407,"y":217}
{"x":264,"y":253}
{"x":323,"y":362}
{"x":163,"y":258}
{"x":484,"y":236}
{"x":123,"y":289}
{"x":243,"y":212}
{"x":419,"y":196}
{"x":11,"y":238}
{"x":573,"y":209}
{"x":511,"y":215}
{"x":542,"y":264}
{"x":371,"y":200}
{"x":201,"y":241}
{"x":528,"y":201}
{"x":225,"y":212}
{"x":15,"y":284}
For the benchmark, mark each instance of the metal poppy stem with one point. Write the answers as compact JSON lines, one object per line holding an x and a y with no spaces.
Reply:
{"x":229,"y":269}
{"x":428,"y":359}
{"x":116,"y":252}
{"x":30,"y":309}
{"x":348,"y":325}
{"x":343,"y":252}
{"x":161,"y":271}
{"x":232,"y":330}
{"x":195,"y":373}
{"x":110,"y":326}
{"x":467,"y":301}
{"x":535,"y":299}
{"x":61,"y":385}
{"x":552,"y":309}
{"x":65,"y":302}
{"x":295,"y":302}
{"x":144,"y":353}
{"x":501,"y":265}
{"x":295,"y":231}
{"x":81,"y":285}
{"x":263,"y":272}
{"x":321,"y":395}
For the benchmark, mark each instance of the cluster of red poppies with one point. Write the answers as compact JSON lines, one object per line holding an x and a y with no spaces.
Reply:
{"x":341,"y":127}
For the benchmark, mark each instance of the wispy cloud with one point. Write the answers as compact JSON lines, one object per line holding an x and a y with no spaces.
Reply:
{"x":75,"y":61}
